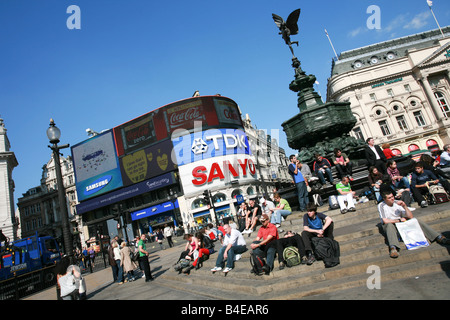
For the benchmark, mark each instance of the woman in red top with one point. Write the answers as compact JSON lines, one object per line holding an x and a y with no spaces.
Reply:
{"x":387,"y":151}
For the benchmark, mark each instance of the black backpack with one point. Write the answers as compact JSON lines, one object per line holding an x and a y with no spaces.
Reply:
{"x":257,"y":264}
{"x":328,"y":250}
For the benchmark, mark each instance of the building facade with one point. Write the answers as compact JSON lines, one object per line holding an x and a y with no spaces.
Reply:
{"x":39,"y":207}
{"x":153,"y":170}
{"x":399,"y":90}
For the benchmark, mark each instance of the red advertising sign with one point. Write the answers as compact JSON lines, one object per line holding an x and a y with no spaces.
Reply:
{"x":183,"y":114}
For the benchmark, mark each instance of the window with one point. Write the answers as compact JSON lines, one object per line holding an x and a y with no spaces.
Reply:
{"x":402,"y":123}
{"x":390,"y":92}
{"x":373,"y":97}
{"x":419,"y":118}
{"x":358,"y":133}
{"x":407,"y":88}
{"x":384,"y":128}
{"x":442,"y":104}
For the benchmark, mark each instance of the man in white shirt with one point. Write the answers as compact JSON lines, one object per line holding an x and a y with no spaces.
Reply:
{"x":233,"y":243}
{"x":445,"y":160}
{"x":393,"y":211}
{"x":268,"y":207}
{"x":375,"y":156}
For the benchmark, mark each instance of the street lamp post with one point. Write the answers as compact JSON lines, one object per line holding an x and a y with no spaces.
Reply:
{"x":53,"y":134}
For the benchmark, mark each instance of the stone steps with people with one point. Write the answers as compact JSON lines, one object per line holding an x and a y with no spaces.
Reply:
{"x":361,"y":246}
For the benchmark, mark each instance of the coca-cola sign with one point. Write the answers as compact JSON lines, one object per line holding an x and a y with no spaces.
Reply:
{"x":183,"y":116}
{"x":138,"y":134}
{"x":227,"y":112}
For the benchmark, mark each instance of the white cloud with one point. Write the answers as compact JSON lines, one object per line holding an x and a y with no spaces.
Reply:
{"x":419,"y":21}
{"x":357,"y":32}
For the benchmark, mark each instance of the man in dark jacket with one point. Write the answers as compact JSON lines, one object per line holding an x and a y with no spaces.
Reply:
{"x":112,"y":262}
{"x":375,"y":156}
{"x":419,"y":180}
{"x":322,"y":166}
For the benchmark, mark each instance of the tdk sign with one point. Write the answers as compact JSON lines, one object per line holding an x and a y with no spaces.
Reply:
{"x":97,"y":185}
{"x":209,"y":144}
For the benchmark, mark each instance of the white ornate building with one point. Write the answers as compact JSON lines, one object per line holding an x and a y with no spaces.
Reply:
{"x":399,"y":90}
{"x":8,"y":162}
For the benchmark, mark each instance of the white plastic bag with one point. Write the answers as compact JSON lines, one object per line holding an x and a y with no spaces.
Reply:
{"x":412,"y":235}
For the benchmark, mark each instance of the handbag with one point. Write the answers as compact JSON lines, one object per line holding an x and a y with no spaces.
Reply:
{"x":135,"y":256}
{"x":412,"y":235}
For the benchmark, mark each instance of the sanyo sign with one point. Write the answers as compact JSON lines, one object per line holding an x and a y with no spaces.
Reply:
{"x":217,"y":172}
{"x":209,"y":144}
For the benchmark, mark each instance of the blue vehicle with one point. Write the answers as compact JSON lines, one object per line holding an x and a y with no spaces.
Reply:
{"x":27,"y":264}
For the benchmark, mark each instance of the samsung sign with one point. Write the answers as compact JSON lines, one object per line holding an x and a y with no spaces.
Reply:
{"x":125,"y":193}
{"x":97,"y":185}
{"x":150,"y":211}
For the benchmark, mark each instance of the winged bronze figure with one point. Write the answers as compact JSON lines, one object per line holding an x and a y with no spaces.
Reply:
{"x":288,"y":27}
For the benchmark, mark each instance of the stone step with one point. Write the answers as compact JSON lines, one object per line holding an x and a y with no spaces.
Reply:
{"x":362,"y":247}
{"x":420,"y":262}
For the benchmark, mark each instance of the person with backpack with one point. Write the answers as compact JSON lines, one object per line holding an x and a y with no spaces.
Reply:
{"x":265,"y":243}
{"x":233,"y":244}
{"x":315,"y":224}
{"x":294,"y":240}
{"x":420,"y":180}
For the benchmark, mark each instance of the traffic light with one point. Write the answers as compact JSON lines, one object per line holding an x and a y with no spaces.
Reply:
{"x":206,"y":197}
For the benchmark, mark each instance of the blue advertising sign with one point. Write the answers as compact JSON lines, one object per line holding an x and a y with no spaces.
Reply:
{"x":96,"y":166}
{"x":209,"y":144}
{"x":150,"y":211}
{"x":126,"y":193}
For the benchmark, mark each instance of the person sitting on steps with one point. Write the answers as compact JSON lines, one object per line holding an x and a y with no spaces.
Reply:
{"x":315,"y":224}
{"x":392,"y":211}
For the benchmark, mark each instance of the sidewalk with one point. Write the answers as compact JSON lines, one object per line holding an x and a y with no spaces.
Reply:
{"x":160,"y":261}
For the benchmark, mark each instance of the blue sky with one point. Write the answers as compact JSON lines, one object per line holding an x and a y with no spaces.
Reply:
{"x":131,"y":57}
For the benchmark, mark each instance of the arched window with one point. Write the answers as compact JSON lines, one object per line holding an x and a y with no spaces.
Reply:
{"x":397,"y":152}
{"x":413,"y":147}
{"x":235,"y":193}
{"x":442,"y":103}
{"x":219,"y":197}
{"x":198,"y":203}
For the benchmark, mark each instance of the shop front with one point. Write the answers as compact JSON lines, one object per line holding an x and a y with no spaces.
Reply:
{"x":155,"y":217}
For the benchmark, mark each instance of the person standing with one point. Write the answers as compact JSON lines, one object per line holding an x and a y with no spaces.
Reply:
{"x":127,"y":264}
{"x":117,"y":258}
{"x":112,"y":261}
{"x":168,"y":233}
{"x":143,"y":259}
{"x":300,"y":182}
{"x":375,"y":156}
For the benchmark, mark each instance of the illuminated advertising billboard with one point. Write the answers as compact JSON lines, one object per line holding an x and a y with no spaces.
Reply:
{"x":96,"y":166}
{"x":213,"y":158}
{"x":147,"y":163}
{"x":208,"y":144}
{"x":217,"y":172}
{"x":175,"y":119}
